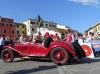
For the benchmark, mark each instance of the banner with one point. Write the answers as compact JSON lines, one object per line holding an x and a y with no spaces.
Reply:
{"x":95,"y":44}
{"x":88,"y":50}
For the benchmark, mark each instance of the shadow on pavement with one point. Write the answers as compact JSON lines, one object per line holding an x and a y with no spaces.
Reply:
{"x":40,"y":68}
{"x":29,"y":59}
{"x":84,"y":60}
{"x":73,"y":62}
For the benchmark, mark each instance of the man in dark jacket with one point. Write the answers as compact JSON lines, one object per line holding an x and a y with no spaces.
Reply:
{"x":47,"y":40}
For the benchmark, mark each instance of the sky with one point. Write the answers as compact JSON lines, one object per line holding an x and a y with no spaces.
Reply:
{"x":77,"y":14}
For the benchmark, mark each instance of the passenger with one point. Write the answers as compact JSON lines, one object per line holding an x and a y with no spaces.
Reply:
{"x":56,"y":37}
{"x":38,"y":38}
{"x":47,"y":40}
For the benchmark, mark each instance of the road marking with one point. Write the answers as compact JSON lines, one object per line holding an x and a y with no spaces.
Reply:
{"x":60,"y":70}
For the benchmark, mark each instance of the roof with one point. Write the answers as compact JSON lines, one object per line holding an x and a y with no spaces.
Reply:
{"x":19,"y":23}
{"x":6,"y":18}
{"x":37,"y":20}
{"x":93,"y":26}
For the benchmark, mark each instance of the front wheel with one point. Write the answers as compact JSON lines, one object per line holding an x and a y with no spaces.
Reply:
{"x":59,"y":55}
{"x":7,"y":55}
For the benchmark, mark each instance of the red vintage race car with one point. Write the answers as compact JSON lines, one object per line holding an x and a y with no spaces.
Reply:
{"x":60,"y":52}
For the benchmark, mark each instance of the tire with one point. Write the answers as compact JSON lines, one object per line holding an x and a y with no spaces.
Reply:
{"x":78,"y":49}
{"x":59,"y":56}
{"x":7,"y":55}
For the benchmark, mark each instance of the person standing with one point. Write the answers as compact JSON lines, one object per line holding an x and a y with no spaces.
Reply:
{"x":22,"y":39}
{"x":62,"y":35}
{"x":2,"y":43}
{"x":69,"y":36}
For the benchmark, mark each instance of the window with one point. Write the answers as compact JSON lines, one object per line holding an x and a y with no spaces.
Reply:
{"x":32,"y":29}
{"x":1,"y":24}
{"x":12,"y":24}
{"x":5,"y":24}
{"x":5,"y":32}
{"x":50,"y":25}
{"x":46,"y":24}
{"x":28,"y":30}
{"x":23,"y":26}
{"x":17,"y":32}
{"x":32,"y":22}
{"x":12,"y":31}
{"x":95,"y":30}
{"x":53,"y":25}
{"x":3,"y":20}
{"x":99,"y":28}
{"x":37,"y":23}
{"x":10,"y":20}
{"x":66,"y":26}
{"x":23,"y":32}
{"x":18,"y":26}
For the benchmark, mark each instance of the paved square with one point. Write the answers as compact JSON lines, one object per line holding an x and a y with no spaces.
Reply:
{"x":33,"y":66}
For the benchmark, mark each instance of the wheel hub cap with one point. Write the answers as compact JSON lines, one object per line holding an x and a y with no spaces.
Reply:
{"x":58,"y":55}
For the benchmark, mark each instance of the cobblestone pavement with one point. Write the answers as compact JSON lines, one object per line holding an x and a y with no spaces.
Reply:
{"x":33,"y":66}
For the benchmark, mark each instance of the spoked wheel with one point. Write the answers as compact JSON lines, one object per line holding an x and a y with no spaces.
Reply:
{"x":7,"y":55}
{"x":59,"y":55}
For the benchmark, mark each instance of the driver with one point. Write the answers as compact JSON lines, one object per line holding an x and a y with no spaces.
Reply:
{"x":47,"y":40}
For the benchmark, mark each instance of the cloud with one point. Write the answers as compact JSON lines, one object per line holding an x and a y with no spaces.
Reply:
{"x":88,"y":2}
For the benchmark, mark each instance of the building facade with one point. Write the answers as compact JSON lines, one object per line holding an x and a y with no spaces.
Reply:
{"x":20,"y":28}
{"x":62,"y":28}
{"x":95,"y":28}
{"x":32,"y":26}
{"x":7,"y":27}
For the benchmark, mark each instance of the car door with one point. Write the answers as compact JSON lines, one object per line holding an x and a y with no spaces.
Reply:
{"x":32,"y":48}
{"x":21,"y":47}
{"x":40,"y":49}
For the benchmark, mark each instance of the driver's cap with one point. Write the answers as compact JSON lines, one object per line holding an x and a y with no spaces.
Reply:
{"x":46,"y":33}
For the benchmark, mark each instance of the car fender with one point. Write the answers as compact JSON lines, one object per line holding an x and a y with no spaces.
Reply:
{"x":12,"y":48}
{"x":66,"y":46}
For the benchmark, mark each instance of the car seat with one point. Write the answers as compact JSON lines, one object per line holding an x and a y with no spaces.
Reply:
{"x":78,"y":49}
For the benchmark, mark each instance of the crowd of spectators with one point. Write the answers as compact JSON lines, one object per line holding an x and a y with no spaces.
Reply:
{"x":69,"y":36}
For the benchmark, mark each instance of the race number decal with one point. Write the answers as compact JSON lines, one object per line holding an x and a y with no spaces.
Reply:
{"x":87,"y":50}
